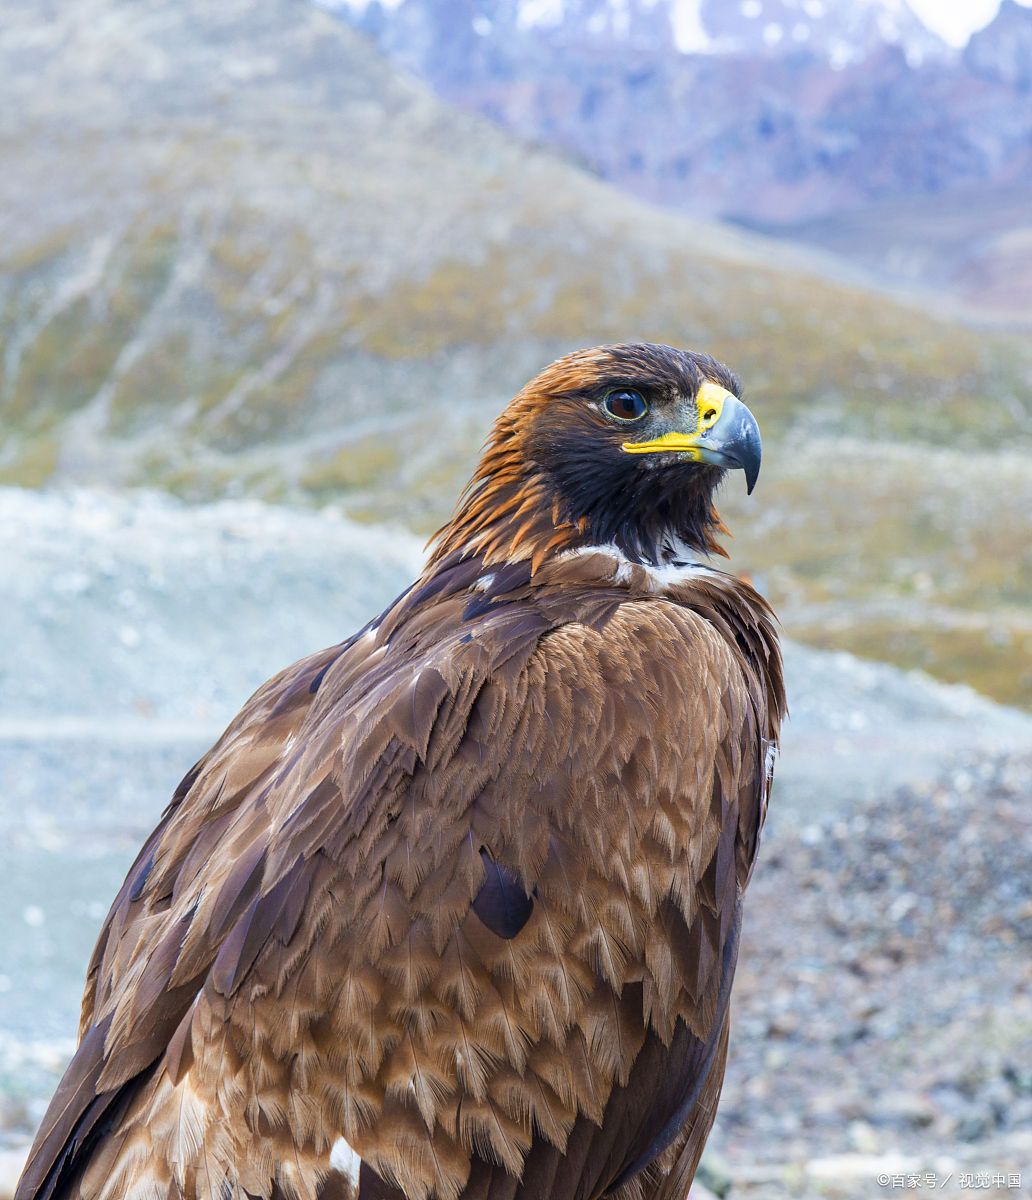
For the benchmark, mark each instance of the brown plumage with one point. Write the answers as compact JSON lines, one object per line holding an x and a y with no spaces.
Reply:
{"x":452,"y":909}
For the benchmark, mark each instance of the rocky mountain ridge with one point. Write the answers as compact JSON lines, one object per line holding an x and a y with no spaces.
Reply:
{"x":763,"y":125}
{"x":838,"y":30}
{"x":772,"y":113}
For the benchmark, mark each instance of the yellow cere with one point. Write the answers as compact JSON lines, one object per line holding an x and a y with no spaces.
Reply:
{"x":710,"y":399}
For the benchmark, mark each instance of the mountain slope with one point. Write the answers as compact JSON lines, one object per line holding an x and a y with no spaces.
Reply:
{"x":809,"y":120}
{"x":793,"y":111}
{"x":972,"y":246}
{"x":241,"y":224}
{"x":241,"y":253}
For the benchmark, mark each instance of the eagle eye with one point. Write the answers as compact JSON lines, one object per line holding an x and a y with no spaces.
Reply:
{"x":625,"y":404}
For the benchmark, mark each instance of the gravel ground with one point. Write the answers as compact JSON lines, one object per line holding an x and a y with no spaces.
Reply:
{"x":883,"y":1004}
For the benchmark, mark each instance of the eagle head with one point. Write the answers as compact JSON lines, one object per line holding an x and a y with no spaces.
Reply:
{"x":618,"y":445}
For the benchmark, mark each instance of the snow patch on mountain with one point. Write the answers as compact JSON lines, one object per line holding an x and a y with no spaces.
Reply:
{"x":841,"y":30}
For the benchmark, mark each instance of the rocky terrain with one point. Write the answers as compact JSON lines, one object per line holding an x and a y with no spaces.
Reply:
{"x":883,"y":1002}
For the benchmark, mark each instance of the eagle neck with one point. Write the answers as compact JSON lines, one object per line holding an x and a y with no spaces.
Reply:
{"x":508,"y":514}
{"x":517,"y":516}
{"x":525,"y":502}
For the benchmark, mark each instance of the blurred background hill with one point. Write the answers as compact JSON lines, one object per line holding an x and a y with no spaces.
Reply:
{"x":785,"y":115}
{"x":243,"y":254}
{"x":268,"y":270}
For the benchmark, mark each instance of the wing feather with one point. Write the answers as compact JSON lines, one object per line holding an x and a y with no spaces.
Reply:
{"x":459,"y":893}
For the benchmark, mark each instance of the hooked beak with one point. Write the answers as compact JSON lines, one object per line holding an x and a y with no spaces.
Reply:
{"x":726,"y":436}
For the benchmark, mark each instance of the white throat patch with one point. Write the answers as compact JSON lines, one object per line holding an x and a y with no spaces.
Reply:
{"x":680,"y":567}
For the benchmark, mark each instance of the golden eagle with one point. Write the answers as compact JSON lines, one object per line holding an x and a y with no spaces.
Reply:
{"x":452,"y":909}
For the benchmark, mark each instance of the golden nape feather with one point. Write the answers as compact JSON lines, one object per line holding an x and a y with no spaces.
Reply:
{"x":452,"y":909}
